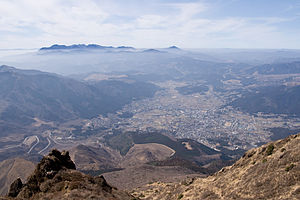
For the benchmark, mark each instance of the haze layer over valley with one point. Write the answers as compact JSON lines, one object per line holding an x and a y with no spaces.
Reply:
{"x":151,"y":114}
{"x":187,"y":95}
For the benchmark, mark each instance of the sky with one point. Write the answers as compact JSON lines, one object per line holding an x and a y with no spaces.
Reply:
{"x":151,"y":23}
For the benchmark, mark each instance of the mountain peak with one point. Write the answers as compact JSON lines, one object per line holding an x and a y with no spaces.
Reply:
{"x":125,"y":47}
{"x":4,"y":68}
{"x":174,"y":47}
{"x":48,"y":167}
{"x":152,"y":51}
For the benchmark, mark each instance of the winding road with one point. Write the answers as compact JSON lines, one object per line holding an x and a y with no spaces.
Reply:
{"x":33,"y":146}
{"x":38,"y":141}
{"x":49,"y":143}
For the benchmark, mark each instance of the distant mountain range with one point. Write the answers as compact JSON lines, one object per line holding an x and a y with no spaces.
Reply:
{"x":83,"y":47}
{"x":98,"y":47}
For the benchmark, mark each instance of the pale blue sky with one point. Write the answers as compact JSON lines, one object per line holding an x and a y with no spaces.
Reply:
{"x":151,"y":23}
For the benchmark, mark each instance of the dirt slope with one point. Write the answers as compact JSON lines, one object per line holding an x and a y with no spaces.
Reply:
{"x":143,"y":153}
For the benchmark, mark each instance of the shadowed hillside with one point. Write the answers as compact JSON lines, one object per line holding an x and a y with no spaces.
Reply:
{"x":28,"y":94}
{"x":273,"y":99}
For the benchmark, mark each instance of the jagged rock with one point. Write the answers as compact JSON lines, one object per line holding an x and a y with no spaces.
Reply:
{"x":48,"y":167}
{"x":54,"y":162}
{"x":15,"y":188}
{"x":55,"y":177}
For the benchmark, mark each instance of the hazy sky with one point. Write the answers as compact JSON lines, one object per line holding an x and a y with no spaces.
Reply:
{"x":151,"y":23}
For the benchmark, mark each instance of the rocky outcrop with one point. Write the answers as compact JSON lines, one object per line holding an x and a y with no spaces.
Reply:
{"x":15,"y":188}
{"x":55,"y":177}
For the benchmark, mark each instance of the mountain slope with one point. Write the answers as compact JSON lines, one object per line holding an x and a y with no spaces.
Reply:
{"x":184,"y":148}
{"x":156,"y":156}
{"x":144,"y":153}
{"x":94,"y":159}
{"x":272,"y":99}
{"x":271,"y":171}
{"x":28,"y":94}
{"x":277,"y":68}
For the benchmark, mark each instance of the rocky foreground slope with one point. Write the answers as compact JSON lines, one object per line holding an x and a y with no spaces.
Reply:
{"x":271,"y":171}
{"x":55,"y":177}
